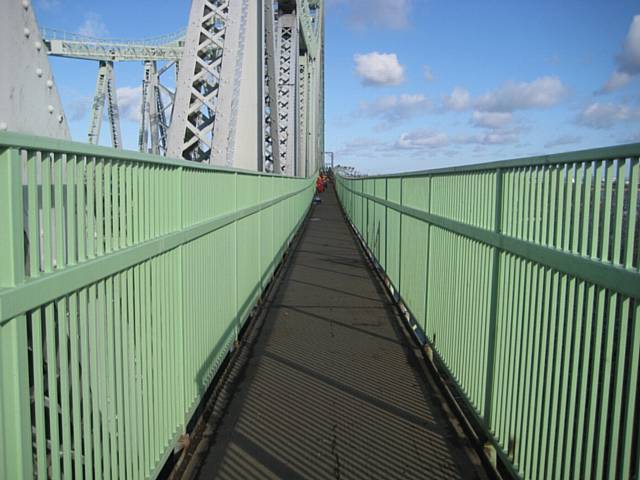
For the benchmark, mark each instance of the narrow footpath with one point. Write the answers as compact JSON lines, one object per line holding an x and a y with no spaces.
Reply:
{"x":333,"y":387}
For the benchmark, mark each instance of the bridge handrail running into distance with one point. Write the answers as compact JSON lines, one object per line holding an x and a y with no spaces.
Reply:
{"x":521,"y":279}
{"x":128,"y":256}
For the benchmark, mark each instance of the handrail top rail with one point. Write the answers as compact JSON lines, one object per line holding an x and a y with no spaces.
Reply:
{"x":602,"y":153}
{"x":55,"y":145}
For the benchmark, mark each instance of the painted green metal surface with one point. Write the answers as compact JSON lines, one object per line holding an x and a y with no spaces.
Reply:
{"x":524,"y":276}
{"x":124,"y":280}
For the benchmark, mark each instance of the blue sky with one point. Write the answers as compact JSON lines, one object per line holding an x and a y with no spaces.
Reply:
{"x":417,"y":84}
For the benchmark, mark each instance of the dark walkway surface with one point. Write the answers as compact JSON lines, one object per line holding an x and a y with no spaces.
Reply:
{"x":333,"y":388}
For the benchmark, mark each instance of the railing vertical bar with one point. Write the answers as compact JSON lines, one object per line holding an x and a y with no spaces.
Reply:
{"x":71,"y":238}
{"x":572,"y":233}
{"x":50,"y":321}
{"x":627,"y":412}
{"x":16,"y":457}
{"x":154,"y":328}
{"x":578,"y":345}
{"x":601,"y":333}
{"x":110,"y":366}
{"x":94,"y":370}
{"x":616,"y":217}
{"x":163,"y":351}
{"x":578,"y":461}
{"x":87,"y":396}
{"x":538,"y":448}
{"x":462,"y":320}
{"x":101,"y":346}
{"x":551,"y":316}
{"x":135,"y":319}
{"x":148,"y":333}
{"x":493,"y":305}
{"x":528,"y":422}
{"x":91,"y":206}
{"x":562,"y":234}
{"x":36,"y":319}
{"x":108,"y":180}
{"x":529,"y":319}
{"x":119,"y":374}
{"x":115,"y":204}
{"x":400,"y":252}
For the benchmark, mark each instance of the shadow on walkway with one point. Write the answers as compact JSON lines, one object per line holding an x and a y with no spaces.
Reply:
{"x":332,"y":389}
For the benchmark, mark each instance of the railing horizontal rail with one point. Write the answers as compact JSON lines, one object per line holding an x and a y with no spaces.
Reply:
{"x":53,"y":145}
{"x":606,"y":275}
{"x":48,"y":287}
{"x":523,"y":277}
{"x":603,"y":153}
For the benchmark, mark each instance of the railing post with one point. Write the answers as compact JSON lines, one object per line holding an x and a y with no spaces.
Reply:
{"x":182,"y":307}
{"x":428,"y":265}
{"x":400,"y":240}
{"x":386,"y":229}
{"x":15,"y":411}
{"x":235,"y":256}
{"x":495,"y":266}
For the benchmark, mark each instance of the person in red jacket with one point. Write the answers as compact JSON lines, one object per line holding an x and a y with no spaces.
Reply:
{"x":320,"y":185}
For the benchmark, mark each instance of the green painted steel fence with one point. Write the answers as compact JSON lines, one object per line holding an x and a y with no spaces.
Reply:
{"x":524,"y":277}
{"x":124,"y":279}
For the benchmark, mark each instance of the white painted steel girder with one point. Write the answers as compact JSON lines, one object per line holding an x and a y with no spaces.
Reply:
{"x":204,"y":115}
{"x":29,"y":101}
{"x":288,"y":48}
{"x":105,"y":91}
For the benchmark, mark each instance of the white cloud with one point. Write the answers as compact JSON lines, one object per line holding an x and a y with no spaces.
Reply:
{"x":428,"y":139}
{"x":359,"y":147}
{"x":491,"y":119}
{"x":498,"y":138}
{"x":616,"y":80}
{"x":634,"y":137}
{"x":428,"y":73}
{"x":389,"y":14}
{"x":422,"y":139}
{"x":396,"y":108}
{"x":460,"y":99}
{"x":379,"y":68}
{"x":605,"y":115}
{"x":563,"y":140}
{"x":495,"y":137}
{"x":540,"y":93}
{"x":78,"y":108}
{"x":93,"y":26}
{"x":628,"y":61}
{"x":129,"y":99}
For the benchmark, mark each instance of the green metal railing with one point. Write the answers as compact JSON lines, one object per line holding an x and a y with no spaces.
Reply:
{"x":124,"y":280}
{"x":524,"y":277}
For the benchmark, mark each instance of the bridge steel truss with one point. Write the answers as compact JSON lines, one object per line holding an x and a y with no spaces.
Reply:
{"x":105,"y":90}
{"x":228,"y":43}
{"x":246,"y":89}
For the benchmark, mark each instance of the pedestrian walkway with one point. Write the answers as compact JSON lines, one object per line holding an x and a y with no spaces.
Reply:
{"x":333,"y":388}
